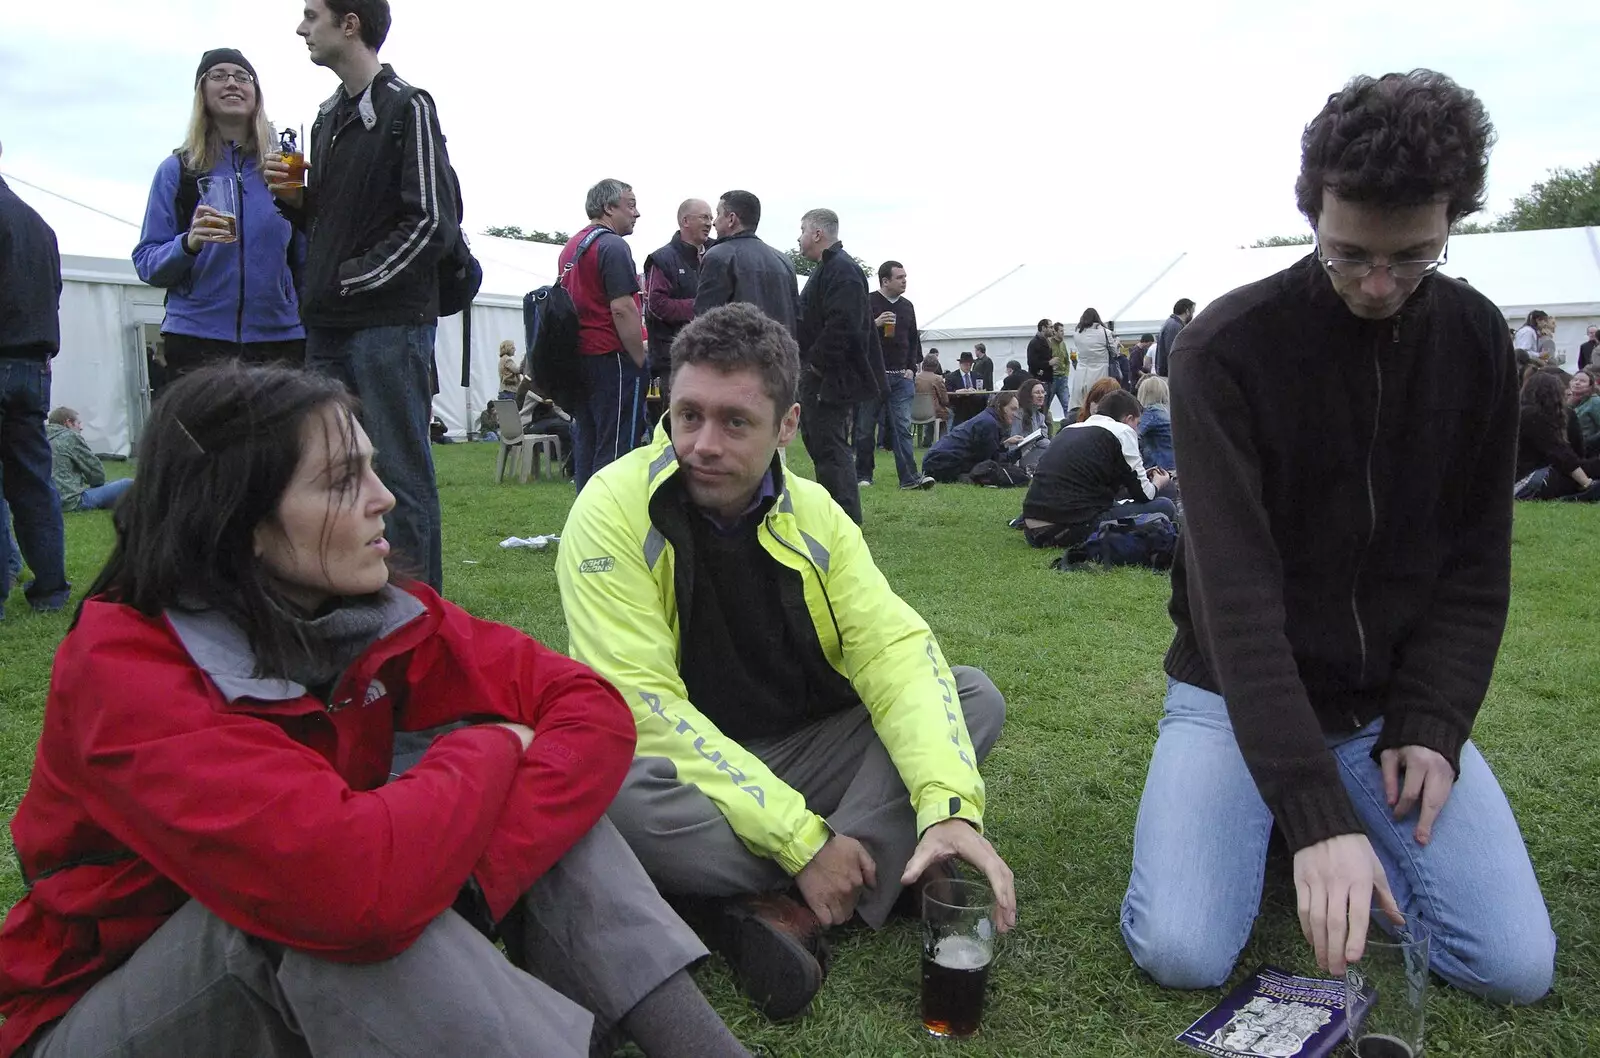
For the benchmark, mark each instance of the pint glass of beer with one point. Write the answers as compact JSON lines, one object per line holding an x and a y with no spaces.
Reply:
{"x":1386,"y":993}
{"x":221,"y":194}
{"x":888,"y":328}
{"x":957,"y":948}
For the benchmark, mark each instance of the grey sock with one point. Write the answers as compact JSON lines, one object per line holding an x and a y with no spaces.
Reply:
{"x":675,"y":1021}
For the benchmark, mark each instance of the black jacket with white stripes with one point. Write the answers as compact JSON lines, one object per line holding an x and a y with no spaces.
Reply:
{"x":379,"y":212}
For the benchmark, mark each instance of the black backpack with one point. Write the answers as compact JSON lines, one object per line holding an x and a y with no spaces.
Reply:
{"x":550,"y":320}
{"x":1149,"y":540}
{"x":460,"y":274}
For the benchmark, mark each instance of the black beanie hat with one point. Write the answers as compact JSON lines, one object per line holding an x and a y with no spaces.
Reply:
{"x":217,"y":56}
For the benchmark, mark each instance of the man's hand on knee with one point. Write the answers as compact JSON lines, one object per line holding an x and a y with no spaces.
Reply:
{"x":1429,"y":779}
{"x":959,"y":839}
{"x":832,"y":882}
{"x":1335,"y":882}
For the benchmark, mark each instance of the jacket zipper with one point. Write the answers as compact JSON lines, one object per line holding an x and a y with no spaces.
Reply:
{"x":1372,"y":499}
{"x":238,"y":223}
{"x":838,"y":634}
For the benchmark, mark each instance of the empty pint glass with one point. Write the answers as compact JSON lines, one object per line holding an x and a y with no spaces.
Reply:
{"x":1385,"y":994}
{"x":221,"y":194}
{"x":957,"y":949}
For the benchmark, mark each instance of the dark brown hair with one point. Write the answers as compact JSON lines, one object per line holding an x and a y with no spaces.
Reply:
{"x":738,"y":336}
{"x":215,"y":459}
{"x":1397,"y":140}
{"x":374,"y":15}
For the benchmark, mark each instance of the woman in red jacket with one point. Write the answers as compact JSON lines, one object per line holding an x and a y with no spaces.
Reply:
{"x":217,"y":857}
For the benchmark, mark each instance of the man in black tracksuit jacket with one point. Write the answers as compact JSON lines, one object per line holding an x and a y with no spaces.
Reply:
{"x":841,"y":358}
{"x":1345,"y":433}
{"x":380,"y":211}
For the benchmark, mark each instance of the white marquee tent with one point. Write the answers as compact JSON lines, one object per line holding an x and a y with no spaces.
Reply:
{"x":1557,"y":270}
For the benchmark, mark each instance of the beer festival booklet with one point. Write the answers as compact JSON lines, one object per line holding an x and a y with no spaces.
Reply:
{"x":1273,"y":1014}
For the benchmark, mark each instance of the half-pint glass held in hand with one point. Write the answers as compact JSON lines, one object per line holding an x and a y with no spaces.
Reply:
{"x":957,"y":949}
{"x":1385,"y":994}
{"x":221,"y":194}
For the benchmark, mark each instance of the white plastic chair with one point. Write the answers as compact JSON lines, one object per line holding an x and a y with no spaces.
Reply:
{"x":925,"y":413}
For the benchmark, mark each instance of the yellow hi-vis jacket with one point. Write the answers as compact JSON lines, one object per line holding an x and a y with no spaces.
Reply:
{"x":617,"y":589}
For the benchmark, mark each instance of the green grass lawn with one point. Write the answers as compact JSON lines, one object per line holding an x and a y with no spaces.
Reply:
{"x":1078,"y":657}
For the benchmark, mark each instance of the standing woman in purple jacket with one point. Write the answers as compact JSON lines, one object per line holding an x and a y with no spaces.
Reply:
{"x":226,"y":295}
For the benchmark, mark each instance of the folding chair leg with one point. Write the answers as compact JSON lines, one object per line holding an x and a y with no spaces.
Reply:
{"x":500,"y":466}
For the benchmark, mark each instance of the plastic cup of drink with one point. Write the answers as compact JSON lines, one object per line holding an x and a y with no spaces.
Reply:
{"x":1385,"y":994}
{"x":957,"y":951}
{"x":221,"y":194}
{"x":296,"y":161}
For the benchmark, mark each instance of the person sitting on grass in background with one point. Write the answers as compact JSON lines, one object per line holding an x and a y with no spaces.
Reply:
{"x":79,"y":475}
{"x":1088,"y":467}
{"x":1031,"y":416}
{"x":1584,"y":399}
{"x":804,"y":748}
{"x":1101,"y":389}
{"x":982,"y":437}
{"x":217,"y":855}
{"x":1155,"y":424}
{"x":1548,"y":467}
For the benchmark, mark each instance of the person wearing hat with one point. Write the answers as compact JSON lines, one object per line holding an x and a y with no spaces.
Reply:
{"x":962,"y":377}
{"x":230,"y":290}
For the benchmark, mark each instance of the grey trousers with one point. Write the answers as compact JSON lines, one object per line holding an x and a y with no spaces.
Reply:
{"x":598,"y":936}
{"x":841,"y":768}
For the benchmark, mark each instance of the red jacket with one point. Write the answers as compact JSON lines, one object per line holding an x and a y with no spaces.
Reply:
{"x":165,"y":772}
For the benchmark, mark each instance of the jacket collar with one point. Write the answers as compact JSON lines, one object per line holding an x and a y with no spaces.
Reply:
{"x":365,"y":108}
{"x":219,"y":647}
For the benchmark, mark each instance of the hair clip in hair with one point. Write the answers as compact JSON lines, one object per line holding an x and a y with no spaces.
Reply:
{"x":185,"y":431}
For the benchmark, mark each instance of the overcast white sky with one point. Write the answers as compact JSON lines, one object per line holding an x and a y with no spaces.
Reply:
{"x":962,"y":139}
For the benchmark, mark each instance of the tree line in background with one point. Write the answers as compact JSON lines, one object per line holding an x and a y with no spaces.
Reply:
{"x":1567,"y":198}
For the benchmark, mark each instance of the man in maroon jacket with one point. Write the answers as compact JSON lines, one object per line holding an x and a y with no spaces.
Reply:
{"x":1345,"y":432}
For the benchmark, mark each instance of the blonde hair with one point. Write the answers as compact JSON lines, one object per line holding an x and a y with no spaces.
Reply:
{"x":202,"y":147}
{"x":1153,"y":390}
{"x":508,"y":348}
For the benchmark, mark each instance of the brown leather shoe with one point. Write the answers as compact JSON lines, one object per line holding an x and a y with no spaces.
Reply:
{"x":775,"y":947}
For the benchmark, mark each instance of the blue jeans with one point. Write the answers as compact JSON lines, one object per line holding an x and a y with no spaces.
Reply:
{"x":1061,"y":390}
{"x":8,"y":547}
{"x":608,"y":423}
{"x":1200,"y":849}
{"x":27,"y":486}
{"x":104,"y":497}
{"x":901,"y":390}
{"x":390,"y":369}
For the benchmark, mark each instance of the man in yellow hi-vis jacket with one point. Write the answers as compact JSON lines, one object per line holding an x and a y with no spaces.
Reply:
{"x":799,"y":728}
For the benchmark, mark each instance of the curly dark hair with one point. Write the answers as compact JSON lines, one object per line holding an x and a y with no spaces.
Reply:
{"x":1397,"y":140}
{"x":738,"y":336}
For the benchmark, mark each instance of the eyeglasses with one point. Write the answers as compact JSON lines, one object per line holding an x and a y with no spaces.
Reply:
{"x":223,"y":76}
{"x":1352,"y":268}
